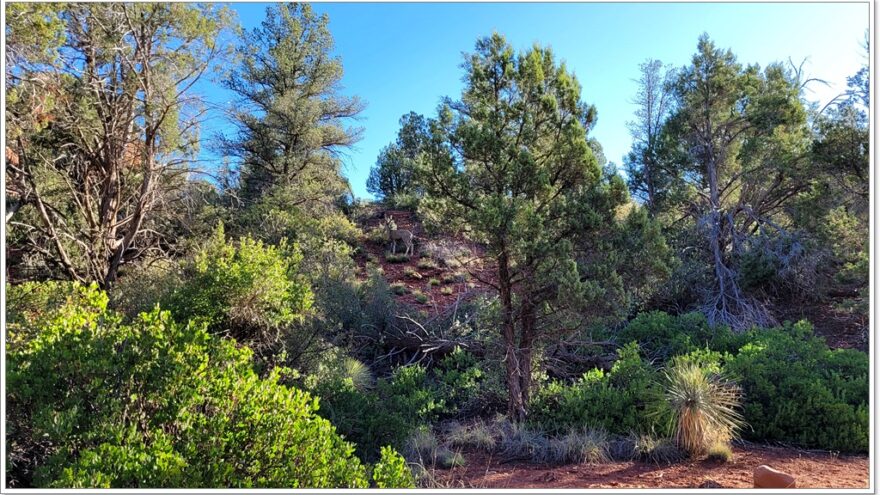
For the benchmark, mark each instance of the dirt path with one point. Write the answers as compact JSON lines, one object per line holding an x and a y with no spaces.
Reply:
{"x":812,"y":470}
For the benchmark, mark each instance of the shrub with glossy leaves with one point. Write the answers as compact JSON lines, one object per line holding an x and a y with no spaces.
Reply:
{"x":31,"y":304}
{"x":247,"y":287}
{"x":94,"y":402}
{"x":459,"y":378}
{"x":391,"y":471}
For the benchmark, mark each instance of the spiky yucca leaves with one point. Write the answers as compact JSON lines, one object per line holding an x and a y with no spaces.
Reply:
{"x":359,"y":373}
{"x":704,"y":407}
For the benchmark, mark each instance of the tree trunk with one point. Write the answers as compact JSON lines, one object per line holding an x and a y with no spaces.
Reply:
{"x":649,"y":180}
{"x":515,"y":406}
{"x":527,"y":321}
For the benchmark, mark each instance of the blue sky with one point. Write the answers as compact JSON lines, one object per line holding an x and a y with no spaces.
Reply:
{"x":401,"y":57}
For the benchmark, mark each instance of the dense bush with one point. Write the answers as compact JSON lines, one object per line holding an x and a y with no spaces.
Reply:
{"x":384,"y":415}
{"x":94,"y":402}
{"x":31,"y":304}
{"x":142,"y":286}
{"x":798,"y":390}
{"x":460,"y":380}
{"x":391,"y":471}
{"x":248,"y":288}
{"x":794,"y":388}
{"x":619,"y":401}
{"x":661,"y":335}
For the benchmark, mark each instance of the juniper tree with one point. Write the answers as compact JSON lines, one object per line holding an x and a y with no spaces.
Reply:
{"x":509,"y":165}
{"x":739,"y":144}
{"x":394,"y":171}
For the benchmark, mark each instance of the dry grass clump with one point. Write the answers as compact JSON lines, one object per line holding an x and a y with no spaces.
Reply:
{"x":426,"y":264}
{"x":520,"y":442}
{"x":448,"y":253}
{"x":577,"y":447}
{"x":478,"y":435}
{"x":658,"y":451}
{"x":396,"y":258}
{"x":420,"y":296}
{"x":720,"y":452}
{"x":622,"y":449}
{"x":425,"y":450}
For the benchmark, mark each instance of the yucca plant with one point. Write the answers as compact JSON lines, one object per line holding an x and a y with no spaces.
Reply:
{"x":704,"y":407}
{"x":359,"y":374}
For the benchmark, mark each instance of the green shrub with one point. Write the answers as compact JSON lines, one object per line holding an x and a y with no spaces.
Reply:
{"x":399,"y":288}
{"x":619,"y":401}
{"x":391,"y":470}
{"x":433,"y":282}
{"x":141,"y":287}
{"x":385,"y":415}
{"x":412,"y":273}
{"x":459,"y":379}
{"x":31,"y":305}
{"x":94,"y":402}
{"x":447,"y":291}
{"x":250,"y":288}
{"x":420,"y":296}
{"x":797,"y":390}
{"x":661,"y":335}
{"x":377,"y":235}
{"x":404,"y":201}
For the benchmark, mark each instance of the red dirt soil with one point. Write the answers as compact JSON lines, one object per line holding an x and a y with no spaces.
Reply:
{"x":810,"y":469}
{"x":396,"y":272}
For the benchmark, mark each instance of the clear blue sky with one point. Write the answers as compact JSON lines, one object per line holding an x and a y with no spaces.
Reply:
{"x":405,"y":57}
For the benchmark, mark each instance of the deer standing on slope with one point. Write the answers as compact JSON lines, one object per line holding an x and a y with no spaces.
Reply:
{"x":395,"y":235}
